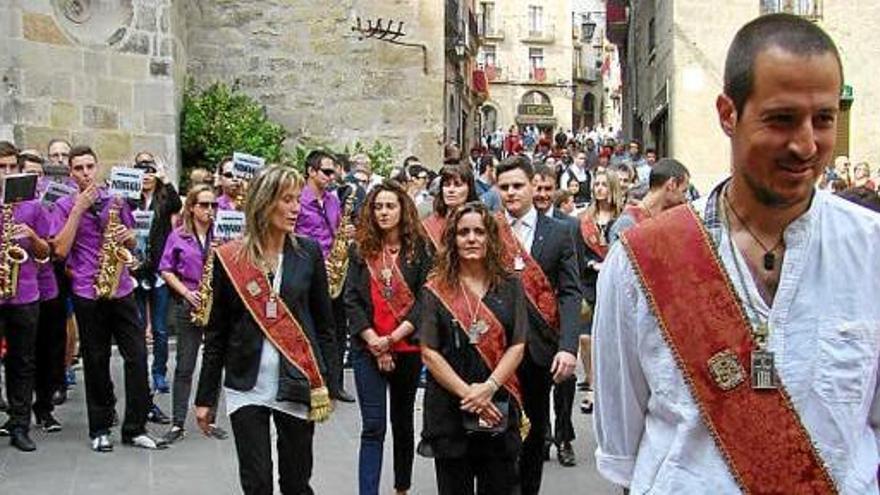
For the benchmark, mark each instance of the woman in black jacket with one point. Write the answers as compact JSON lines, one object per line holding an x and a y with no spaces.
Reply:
{"x":388,"y":264}
{"x":162,"y":200}
{"x":271,"y":330}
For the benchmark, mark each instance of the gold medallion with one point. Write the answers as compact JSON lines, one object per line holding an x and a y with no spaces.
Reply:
{"x":726,"y":370}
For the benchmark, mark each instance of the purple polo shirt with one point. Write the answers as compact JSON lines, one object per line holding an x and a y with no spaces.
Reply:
{"x":317,"y":222}
{"x":31,"y":214}
{"x":224,"y":202}
{"x":84,"y":255}
{"x":183,"y":257}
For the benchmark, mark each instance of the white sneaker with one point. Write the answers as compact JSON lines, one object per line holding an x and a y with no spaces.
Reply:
{"x":145,"y":441}
{"x":102,"y":443}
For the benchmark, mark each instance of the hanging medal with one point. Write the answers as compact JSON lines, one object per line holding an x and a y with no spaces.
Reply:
{"x":274,"y":290}
{"x":476,"y":331}
{"x":763,"y":372}
{"x":272,"y":308}
{"x":386,"y":275}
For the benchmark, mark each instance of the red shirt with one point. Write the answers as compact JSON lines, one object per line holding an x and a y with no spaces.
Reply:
{"x":384,"y":321}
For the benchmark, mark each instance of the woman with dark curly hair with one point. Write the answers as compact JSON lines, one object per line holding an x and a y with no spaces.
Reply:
{"x":472,"y":333}
{"x":457,"y":187}
{"x":388,"y":264}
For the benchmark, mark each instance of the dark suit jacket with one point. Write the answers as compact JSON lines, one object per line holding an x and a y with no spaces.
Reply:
{"x":359,"y":304}
{"x":166,"y":202}
{"x":554,"y":250}
{"x":234,"y":341}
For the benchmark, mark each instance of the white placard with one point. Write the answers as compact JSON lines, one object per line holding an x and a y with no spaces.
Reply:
{"x":143,"y":222}
{"x":228,"y":224}
{"x":56,"y":191}
{"x":246,"y":166}
{"x":126,"y":182}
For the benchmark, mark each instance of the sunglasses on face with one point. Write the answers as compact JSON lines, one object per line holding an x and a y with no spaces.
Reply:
{"x":328,"y":172}
{"x":228,"y":175}
{"x":207,"y":204}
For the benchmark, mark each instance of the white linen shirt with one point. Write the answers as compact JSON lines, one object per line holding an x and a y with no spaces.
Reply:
{"x":825,"y":332}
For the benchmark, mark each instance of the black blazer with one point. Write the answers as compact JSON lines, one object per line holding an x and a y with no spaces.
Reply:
{"x":166,"y":202}
{"x":359,"y":304}
{"x":234,"y":342}
{"x":553,"y":249}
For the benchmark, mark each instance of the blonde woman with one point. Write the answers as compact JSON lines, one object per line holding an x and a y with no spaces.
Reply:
{"x":273,"y":335}
{"x":608,"y":202}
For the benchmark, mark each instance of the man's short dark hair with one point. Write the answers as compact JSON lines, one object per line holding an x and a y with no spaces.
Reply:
{"x":545,"y":171}
{"x":516,"y":162}
{"x":82,"y":150}
{"x":410,"y":159}
{"x":650,"y":150}
{"x":485,"y":163}
{"x":792,"y":33}
{"x":315,"y":157}
{"x":342,"y":159}
{"x":665,"y":169}
{"x":7,"y":149}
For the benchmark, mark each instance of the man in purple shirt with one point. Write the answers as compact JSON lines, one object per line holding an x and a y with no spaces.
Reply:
{"x":51,"y":337}
{"x":20,"y":309}
{"x":78,"y":236}
{"x":319,"y":218}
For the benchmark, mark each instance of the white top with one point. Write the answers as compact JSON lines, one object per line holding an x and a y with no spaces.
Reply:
{"x":266,"y":388}
{"x":524,"y":228}
{"x":824,"y":330}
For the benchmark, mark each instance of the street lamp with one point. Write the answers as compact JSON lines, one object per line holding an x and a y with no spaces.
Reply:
{"x":460,"y":47}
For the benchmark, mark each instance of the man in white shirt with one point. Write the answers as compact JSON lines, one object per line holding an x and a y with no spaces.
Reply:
{"x":780,"y":243}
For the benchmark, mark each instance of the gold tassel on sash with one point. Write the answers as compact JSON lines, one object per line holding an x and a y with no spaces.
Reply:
{"x":524,"y":425}
{"x":321,"y":407}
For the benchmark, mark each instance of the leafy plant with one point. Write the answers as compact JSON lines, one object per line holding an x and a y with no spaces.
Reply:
{"x":380,"y":153}
{"x":219,"y":120}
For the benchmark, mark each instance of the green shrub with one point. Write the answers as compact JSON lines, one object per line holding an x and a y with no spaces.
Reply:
{"x":218,"y":120}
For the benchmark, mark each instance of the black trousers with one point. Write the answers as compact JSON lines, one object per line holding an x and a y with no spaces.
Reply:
{"x":535,"y":381}
{"x":250,"y":426}
{"x":493,"y":475}
{"x":563,"y":402}
{"x":50,"y":352}
{"x":19,"y":325}
{"x":341,"y":322}
{"x":101,"y":321}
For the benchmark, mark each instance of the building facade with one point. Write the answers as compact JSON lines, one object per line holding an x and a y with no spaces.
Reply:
{"x":111,"y":73}
{"x":465,"y":87}
{"x":527,"y":52}
{"x":673,"y":68}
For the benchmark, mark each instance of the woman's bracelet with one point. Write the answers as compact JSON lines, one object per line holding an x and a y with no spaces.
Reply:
{"x":494,"y":383}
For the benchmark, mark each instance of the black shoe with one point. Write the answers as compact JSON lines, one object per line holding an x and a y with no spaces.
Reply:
{"x":565,"y":454}
{"x":344,"y":396}
{"x":218,"y":433}
{"x":157,"y":416}
{"x":59,"y":397}
{"x":20,"y":439}
{"x":102,"y":444}
{"x":145,"y":441}
{"x":587,"y":407}
{"x":48,"y":422}
{"x":174,"y":434}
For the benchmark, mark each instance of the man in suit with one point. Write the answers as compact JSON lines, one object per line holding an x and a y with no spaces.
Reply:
{"x":551,"y":350}
{"x":544,"y":185}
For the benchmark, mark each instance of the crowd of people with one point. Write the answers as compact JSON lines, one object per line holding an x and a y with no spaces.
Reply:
{"x":480,"y":279}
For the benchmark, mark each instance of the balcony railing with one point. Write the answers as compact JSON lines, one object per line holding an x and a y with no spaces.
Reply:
{"x":587,"y":73}
{"x":538,"y":74}
{"x":811,"y":9}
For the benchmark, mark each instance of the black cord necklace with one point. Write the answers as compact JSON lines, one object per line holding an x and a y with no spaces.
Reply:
{"x":769,"y":255}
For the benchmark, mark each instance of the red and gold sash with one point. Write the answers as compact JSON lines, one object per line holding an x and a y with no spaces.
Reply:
{"x":758,"y":432}
{"x":285,"y":332}
{"x":638,"y":212}
{"x":537,"y":286}
{"x":593,"y":236}
{"x":434,"y":226}
{"x":402,"y":298}
{"x":492,"y":344}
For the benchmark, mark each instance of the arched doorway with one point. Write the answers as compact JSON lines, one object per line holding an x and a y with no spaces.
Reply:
{"x":490,"y":119}
{"x":589,"y":110}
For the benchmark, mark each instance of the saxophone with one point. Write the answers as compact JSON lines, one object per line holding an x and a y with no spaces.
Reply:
{"x":200,"y":314}
{"x":337,"y":259}
{"x":112,"y":258}
{"x":12,"y":256}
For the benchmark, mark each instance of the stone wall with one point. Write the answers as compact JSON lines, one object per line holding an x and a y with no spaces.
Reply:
{"x":317,"y":78}
{"x":104,"y":75}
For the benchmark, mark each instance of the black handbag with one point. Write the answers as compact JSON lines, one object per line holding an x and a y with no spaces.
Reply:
{"x":474,"y":424}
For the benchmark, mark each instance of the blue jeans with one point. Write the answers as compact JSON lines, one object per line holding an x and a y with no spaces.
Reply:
{"x":371,"y":390}
{"x":158,"y":299}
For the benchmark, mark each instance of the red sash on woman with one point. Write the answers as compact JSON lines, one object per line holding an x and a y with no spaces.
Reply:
{"x":535,"y":283}
{"x":434,"y":226}
{"x":401,"y":298}
{"x":593,"y":236}
{"x":283,"y":331}
{"x":492,"y":344}
{"x":758,"y":432}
